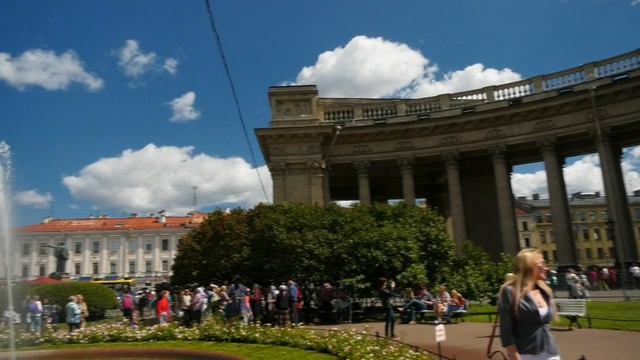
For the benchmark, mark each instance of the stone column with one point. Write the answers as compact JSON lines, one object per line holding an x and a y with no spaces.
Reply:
{"x":565,"y":243}
{"x":364,"y":192}
{"x":156,"y":263}
{"x":617,"y":203}
{"x":506,"y":209}
{"x":140,"y":257}
{"x":408,"y":186}
{"x":278,"y":175}
{"x":86,"y":257}
{"x":317,"y":182}
{"x":455,"y":199}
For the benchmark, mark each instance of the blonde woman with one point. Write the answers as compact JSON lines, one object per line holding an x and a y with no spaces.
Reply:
{"x":526,"y":308}
{"x":84,"y":311}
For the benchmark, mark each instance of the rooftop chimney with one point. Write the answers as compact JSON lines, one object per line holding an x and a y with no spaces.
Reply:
{"x":535,"y":196}
{"x":636,"y":192}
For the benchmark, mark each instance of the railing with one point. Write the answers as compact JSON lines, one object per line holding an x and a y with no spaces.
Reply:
{"x":359,"y":112}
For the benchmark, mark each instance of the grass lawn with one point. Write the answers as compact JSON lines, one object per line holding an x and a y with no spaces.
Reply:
{"x":624,"y":315}
{"x":248,"y":351}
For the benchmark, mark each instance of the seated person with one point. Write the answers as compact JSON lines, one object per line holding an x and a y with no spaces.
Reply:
{"x":457,"y":303}
{"x":421,"y":301}
{"x":442,"y":303}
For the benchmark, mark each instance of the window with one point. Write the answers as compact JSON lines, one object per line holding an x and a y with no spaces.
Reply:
{"x":603,"y":215}
{"x":593,"y":216}
{"x":42,"y":271}
{"x":112,"y":267}
{"x":588,"y":254}
{"x":180,"y":242}
{"x":600,"y":253}
{"x":165,"y":244}
{"x":545,"y":255}
{"x":552,"y":238}
{"x":555,"y":255}
{"x":585,"y":234}
{"x":25,"y":271}
{"x":543,"y":237}
{"x":95,"y":247}
{"x":147,"y":266}
{"x":165,"y":265}
{"x":26,"y":249}
{"x":43,"y":249}
{"x":132,"y":245}
{"x":525,"y":226}
{"x":596,"y":234}
{"x":77,"y":268}
{"x":548,"y":218}
{"x":96,"y":269}
{"x":114,"y":246}
{"x":527,"y":242}
{"x":132,"y":266}
{"x":148,"y":246}
{"x":78,"y":249}
{"x":582,"y":216}
{"x":612,"y":252}
{"x":636,"y":213}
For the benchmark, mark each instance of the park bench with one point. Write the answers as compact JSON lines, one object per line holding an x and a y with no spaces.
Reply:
{"x":572,"y":309}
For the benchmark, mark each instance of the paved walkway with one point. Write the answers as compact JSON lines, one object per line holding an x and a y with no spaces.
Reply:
{"x":468,"y":341}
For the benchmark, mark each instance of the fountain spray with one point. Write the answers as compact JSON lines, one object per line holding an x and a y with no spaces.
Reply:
{"x":5,"y":235}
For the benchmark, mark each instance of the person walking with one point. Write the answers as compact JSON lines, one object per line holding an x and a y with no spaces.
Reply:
{"x":386,"y":293}
{"x":163,"y":308}
{"x":35,"y":311}
{"x":526,"y":309}
{"x":84,"y":311}
{"x":73,"y":314}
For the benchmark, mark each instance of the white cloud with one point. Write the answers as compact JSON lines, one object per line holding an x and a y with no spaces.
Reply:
{"x":171,"y":65}
{"x":161,"y":177}
{"x":635,"y":2}
{"x":135,"y":62}
{"x":33,"y":199}
{"x":582,"y":175}
{"x":182,"y":108}
{"x":44,"y":68}
{"x":375,"y":67}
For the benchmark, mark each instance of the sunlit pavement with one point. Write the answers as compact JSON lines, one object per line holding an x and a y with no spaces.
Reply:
{"x":468,"y":341}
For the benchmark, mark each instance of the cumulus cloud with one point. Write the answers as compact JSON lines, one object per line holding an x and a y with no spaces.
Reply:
{"x":33,"y":199}
{"x":171,"y":65}
{"x":582,"y":175}
{"x":135,"y":63}
{"x":44,"y":68}
{"x":375,"y":67}
{"x":635,"y":2}
{"x":162,"y":177}
{"x":182,"y":108}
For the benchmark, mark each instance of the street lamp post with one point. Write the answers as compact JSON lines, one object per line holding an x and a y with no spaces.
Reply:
{"x":611,"y":234}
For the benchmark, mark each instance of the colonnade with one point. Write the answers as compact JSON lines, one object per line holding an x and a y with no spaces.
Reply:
{"x":610,"y":159}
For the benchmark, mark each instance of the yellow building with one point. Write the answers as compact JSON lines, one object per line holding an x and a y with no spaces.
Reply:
{"x":589,"y":223}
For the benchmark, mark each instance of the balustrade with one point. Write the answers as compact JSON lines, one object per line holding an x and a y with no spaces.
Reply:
{"x":357,"y":112}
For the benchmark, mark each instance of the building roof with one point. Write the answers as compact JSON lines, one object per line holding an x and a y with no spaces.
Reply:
{"x":115,"y":224}
{"x":576,"y":201}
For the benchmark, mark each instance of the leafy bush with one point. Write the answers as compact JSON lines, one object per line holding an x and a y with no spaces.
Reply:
{"x":99,"y":298}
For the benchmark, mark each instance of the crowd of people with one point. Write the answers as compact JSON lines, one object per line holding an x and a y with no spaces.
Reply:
{"x":285,"y":304}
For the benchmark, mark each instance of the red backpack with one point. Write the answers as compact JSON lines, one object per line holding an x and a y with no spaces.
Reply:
{"x":127,"y":302}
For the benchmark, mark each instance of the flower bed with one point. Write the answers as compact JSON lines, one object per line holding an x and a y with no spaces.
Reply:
{"x":343,"y":344}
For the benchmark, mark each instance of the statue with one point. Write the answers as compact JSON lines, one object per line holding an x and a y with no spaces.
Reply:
{"x":62,"y":254}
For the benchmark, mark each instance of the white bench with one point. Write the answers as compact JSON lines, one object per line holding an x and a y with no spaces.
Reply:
{"x":572,"y":309}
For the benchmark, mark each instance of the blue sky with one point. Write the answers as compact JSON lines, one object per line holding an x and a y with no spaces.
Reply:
{"x":117,"y":107}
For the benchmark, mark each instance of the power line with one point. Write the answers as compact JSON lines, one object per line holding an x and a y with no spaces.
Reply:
{"x":235,"y":96}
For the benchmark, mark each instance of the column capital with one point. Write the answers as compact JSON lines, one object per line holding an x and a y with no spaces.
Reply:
{"x":362,"y":166}
{"x":547,"y":143}
{"x":405,"y":162}
{"x":498,"y":152}
{"x":316,"y":167}
{"x":451,"y":158}
{"x":277,"y":168}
